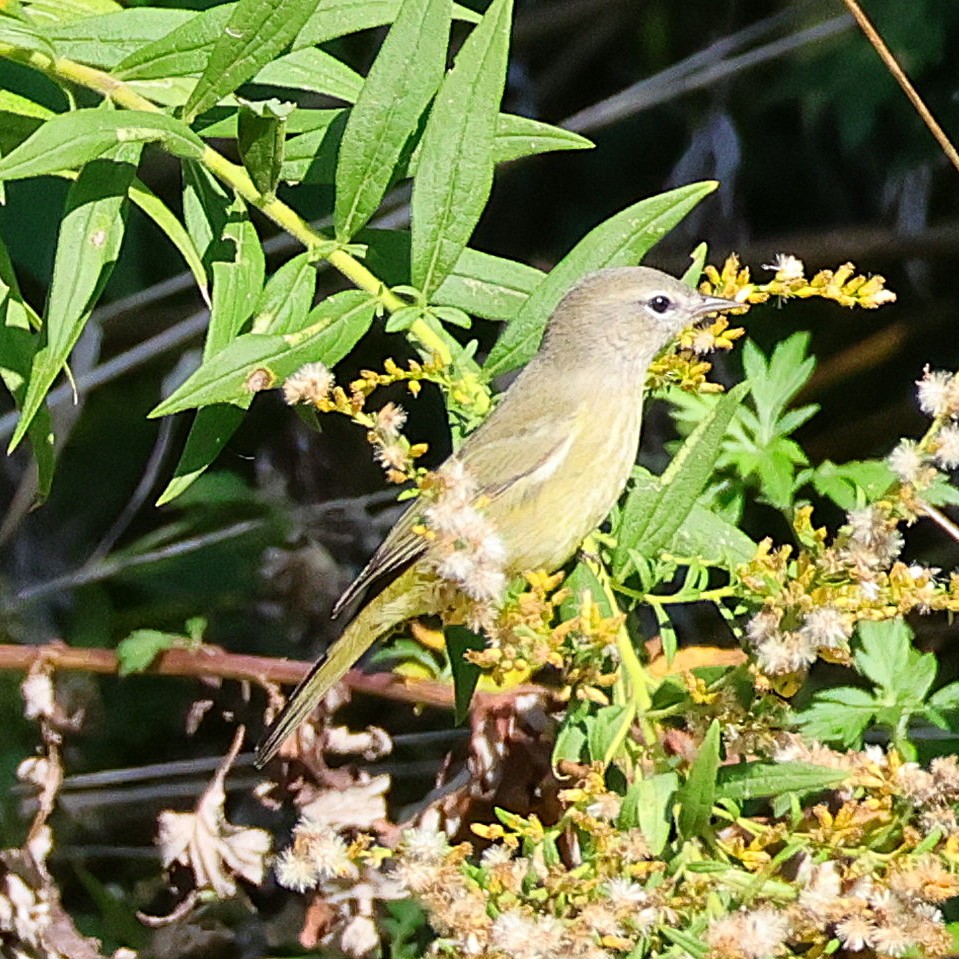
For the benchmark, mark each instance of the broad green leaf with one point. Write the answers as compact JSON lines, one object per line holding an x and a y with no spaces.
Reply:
{"x":488,"y":286}
{"x":313,"y":70}
{"x":182,"y":50}
{"x":261,"y":135}
{"x":18,"y":345}
{"x":842,"y":482}
{"x":712,"y":539}
{"x":337,"y":18}
{"x":106,"y":40}
{"x":455,"y":173}
{"x":286,"y":299}
{"x":91,"y":233}
{"x":69,"y":140}
{"x":759,"y":780}
{"x":404,"y":76}
{"x":255,"y":33}
{"x":210,"y":431}
{"x":621,"y":240}
{"x":698,"y":793}
{"x":886,"y":650}
{"x":838,"y":715}
{"x":652,"y":515}
{"x":143,"y":197}
{"x":333,"y":329}
{"x":646,"y":806}
{"x":136,"y":653}
{"x":466,"y":675}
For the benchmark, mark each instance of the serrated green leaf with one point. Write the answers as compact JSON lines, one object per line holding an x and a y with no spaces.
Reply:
{"x":838,"y":715}
{"x":621,"y":240}
{"x":842,"y":482}
{"x":698,"y":793}
{"x":653,"y":514}
{"x":69,"y":140}
{"x":253,"y":36}
{"x":332,"y":330}
{"x":18,"y":345}
{"x":106,"y":40}
{"x":758,"y":780}
{"x":885,"y":651}
{"x":403,"y":78}
{"x":466,"y":675}
{"x":209,"y":433}
{"x":91,"y":233}
{"x":455,"y":173}
{"x":313,"y":70}
{"x":136,"y":653}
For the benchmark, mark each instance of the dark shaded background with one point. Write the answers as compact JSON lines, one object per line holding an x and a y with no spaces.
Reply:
{"x":818,"y":153}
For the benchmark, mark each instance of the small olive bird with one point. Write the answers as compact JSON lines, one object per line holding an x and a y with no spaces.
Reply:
{"x":548,"y":463}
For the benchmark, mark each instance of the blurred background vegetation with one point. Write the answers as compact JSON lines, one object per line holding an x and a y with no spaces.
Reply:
{"x":818,"y":154}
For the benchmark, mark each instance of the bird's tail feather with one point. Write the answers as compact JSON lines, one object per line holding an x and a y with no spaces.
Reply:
{"x":401,"y":600}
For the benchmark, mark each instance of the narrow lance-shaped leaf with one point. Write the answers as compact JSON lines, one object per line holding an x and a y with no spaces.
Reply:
{"x":91,"y":233}
{"x":403,"y":78}
{"x":651,"y":515}
{"x":621,"y":240}
{"x":69,"y":140}
{"x":455,"y":173}
{"x":697,"y":795}
{"x":255,"y":33}
{"x":313,"y":70}
{"x":332,"y":330}
{"x":18,"y":344}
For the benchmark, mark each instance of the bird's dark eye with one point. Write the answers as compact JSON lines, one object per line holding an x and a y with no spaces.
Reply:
{"x":660,"y":304}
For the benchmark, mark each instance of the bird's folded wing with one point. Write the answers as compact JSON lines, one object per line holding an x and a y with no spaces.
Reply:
{"x":498,"y":464}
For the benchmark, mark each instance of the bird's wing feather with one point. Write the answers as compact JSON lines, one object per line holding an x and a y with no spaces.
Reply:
{"x":497,"y":464}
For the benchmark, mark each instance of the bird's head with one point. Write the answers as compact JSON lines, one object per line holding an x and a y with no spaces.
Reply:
{"x":626,"y":315}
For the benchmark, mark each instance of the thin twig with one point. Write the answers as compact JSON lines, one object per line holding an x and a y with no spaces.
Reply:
{"x":892,"y":65}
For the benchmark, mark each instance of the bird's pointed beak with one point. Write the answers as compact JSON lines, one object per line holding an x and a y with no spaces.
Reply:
{"x":714,"y":304}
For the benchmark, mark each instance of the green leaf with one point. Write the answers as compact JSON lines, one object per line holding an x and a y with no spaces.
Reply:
{"x":759,"y":780}
{"x":255,"y":33}
{"x":313,"y":70}
{"x":18,"y":345}
{"x":62,"y":11}
{"x":286,"y":299}
{"x":25,"y":36}
{"x":518,"y":137}
{"x":403,"y":78}
{"x":647,"y":806}
{"x":651,"y":516}
{"x":182,"y":50}
{"x":459,"y":639}
{"x":620,"y":241}
{"x":885,"y":652}
{"x":88,"y":245}
{"x":605,"y":731}
{"x":206,"y":212}
{"x":845,"y":483}
{"x":209,"y":433}
{"x":105,"y":40}
{"x":333,"y":329}
{"x":698,"y":793}
{"x":237,"y":280}
{"x":69,"y":140}
{"x":146,"y":200}
{"x":838,"y":715}
{"x":136,"y":653}
{"x":488,"y":286}
{"x":455,"y":173}
{"x":712,"y":539}
{"x":19,"y":117}
{"x":261,"y":136}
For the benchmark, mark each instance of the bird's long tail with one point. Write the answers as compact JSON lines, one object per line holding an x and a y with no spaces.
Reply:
{"x":401,"y":600}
